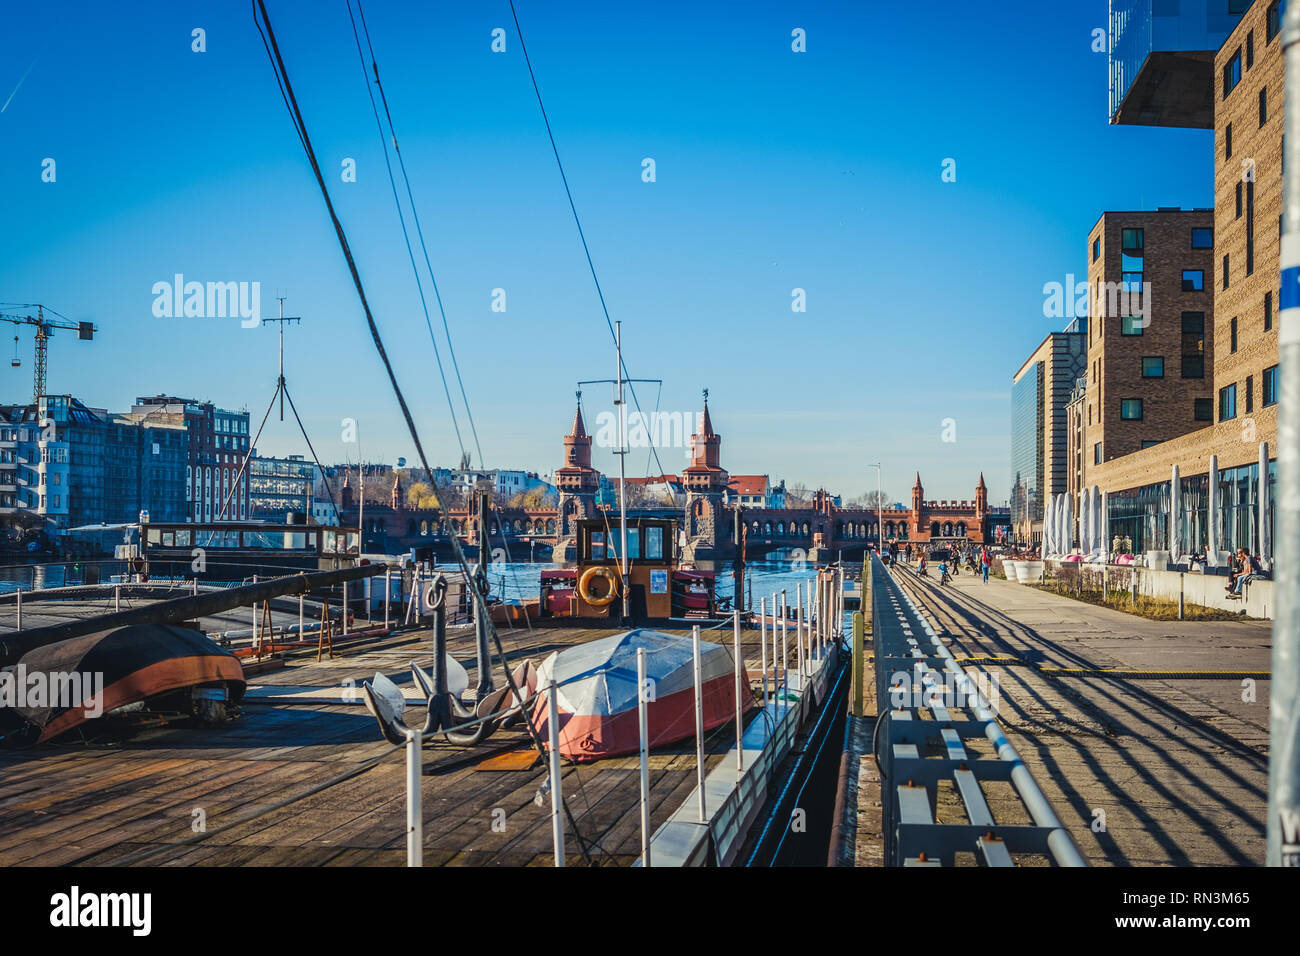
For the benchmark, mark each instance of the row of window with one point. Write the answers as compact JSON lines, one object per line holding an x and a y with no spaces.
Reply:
{"x":1267,"y":397}
{"x":1272,"y":26}
{"x":1131,"y":409}
{"x":1131,"y":242}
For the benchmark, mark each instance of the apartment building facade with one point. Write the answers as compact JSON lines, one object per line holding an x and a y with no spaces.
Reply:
{"x":1209,"y":487}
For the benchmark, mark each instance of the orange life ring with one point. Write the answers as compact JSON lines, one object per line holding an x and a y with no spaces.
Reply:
{"x":584,"y":590}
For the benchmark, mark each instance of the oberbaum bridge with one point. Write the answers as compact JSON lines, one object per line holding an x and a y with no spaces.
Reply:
{"x":822,"y":530}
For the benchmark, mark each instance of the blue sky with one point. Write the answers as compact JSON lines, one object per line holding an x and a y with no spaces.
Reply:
{"x":775,"y":170}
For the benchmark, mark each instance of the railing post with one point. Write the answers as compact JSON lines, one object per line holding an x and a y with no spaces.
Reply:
{"x":859,"y":652}
{"x":798,"y":628}
{"x":345,"y":608}
{"x":557,"y":798}
{"x":20,"y":609}
{"x":699,"y":721}
{"x":762,"y":644}
{"x":644,"y":720}
{"x":414,"y":807}
{"x":740,"y":711}
{"x":388,"y":591}
{"x":785,"y":653}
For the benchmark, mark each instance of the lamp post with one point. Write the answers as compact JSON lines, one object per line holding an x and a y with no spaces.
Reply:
{"x":879,"y":502}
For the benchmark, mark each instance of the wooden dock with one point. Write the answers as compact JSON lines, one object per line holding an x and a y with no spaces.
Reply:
{"x":312,"y":783}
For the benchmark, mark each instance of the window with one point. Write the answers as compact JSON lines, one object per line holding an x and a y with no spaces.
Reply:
{"x":1227,"y":141}
{"x":1250,"y":394}
{"x":1096,"y":249}
{"x":1237,"y":214}
{"x":1153,"y":366}
{"x":1250,"y":227}
{"x":1263,"y":105}
{"x":1193,"y":357}
{"x":1274,"y":21}
{"x":1203,"y":410}
{"x":1250,"y":49}
{"x":1227,"y":403}
{"x":1147,"y":443}
{"x":1225,"y":270}
{"x":1202,"y":238}
{"x":1232,"y":73}
{"x":1132,"y":241}
{"x":1096,"y":454}
{"x":1131,"y":325}
{"x":1130,"y":409}
{"x":1268,"y":394}
{"x":1233,"y":338}
{"x":1268,"y":311}
{"x":1193,"y":280}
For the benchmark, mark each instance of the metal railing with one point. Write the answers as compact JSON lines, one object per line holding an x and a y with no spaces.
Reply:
{"x":917,"y":676}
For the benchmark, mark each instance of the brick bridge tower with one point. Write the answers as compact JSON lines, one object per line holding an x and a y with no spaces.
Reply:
{"x":577,"y":482}
{"x":708,"y":533}
{"x":981,"y":504}
{"x":918,"y":513}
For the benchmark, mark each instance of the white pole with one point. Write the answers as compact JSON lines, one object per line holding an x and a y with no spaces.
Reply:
{"x":557,"y":799}
{"x":740,"y":723}
{"x":699,"y":721}
{"x":798,"y":628}
{"x":345,"y":608}
{"x":117,"y":597}
{"x":644,"y":720}
{"x":388,"y":590}
{"x":785,"y":650}
{"x":20,"y":609}
{"x":414,"y":811}
{"x":300,"y":621}
{"x":776,"y":668}
{"x":622,"y":472}
{"x":762,"y":644}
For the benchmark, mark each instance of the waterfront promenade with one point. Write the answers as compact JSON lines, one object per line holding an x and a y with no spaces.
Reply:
{"x":1163,"y":763}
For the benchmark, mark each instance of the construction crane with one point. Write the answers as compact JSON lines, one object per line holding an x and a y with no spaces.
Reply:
{"x":44,"y":329}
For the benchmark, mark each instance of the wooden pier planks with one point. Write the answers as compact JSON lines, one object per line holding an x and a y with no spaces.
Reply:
{"x":94,"y":804}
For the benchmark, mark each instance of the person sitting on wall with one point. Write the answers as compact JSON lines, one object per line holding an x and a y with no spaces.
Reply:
{"x":1246,"y":567}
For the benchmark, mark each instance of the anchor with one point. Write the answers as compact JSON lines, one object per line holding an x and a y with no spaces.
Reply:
{"x":446,"y":712}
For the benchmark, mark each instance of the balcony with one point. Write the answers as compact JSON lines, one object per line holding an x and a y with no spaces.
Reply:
{"x":1162,"y":59}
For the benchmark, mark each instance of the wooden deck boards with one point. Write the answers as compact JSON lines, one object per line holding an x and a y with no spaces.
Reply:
{"x":101,"y":802}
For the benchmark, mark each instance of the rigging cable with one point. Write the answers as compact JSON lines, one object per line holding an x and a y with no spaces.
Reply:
{"x":480,"y":604}
{"x":419,"y":231}
{"x":401,"y":218}
{"x":578,"y":222}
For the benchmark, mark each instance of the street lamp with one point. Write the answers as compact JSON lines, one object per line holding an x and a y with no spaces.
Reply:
{"x":879,"y":501}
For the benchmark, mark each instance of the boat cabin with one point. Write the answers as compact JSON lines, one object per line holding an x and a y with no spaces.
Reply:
{"x":658,"y":588}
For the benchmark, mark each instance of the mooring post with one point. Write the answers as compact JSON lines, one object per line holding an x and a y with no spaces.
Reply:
{"x":557,"y":798}
{"x":699,"y":721}
{"x":644,"y":721}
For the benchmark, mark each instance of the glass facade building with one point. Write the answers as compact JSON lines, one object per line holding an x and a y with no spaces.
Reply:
{"x":1028,"y":454}
{"x":1162,"y":59}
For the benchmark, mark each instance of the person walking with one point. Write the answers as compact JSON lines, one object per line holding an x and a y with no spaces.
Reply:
{"x":986,"y":562}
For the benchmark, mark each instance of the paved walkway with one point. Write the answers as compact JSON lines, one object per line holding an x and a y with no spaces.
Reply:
{"x":1177,"y":767}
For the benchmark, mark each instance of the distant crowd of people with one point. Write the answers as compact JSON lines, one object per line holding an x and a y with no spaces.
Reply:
{"x":977,"y":560}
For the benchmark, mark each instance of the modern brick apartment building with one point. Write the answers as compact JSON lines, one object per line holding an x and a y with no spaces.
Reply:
{"x":1151,"y":276}
{"x":1205,"y":478}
